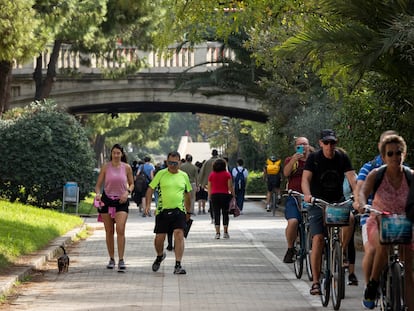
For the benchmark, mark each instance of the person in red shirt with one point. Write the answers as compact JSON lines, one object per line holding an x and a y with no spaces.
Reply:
{"x":220,"y":192}
{"x":293,"y":169}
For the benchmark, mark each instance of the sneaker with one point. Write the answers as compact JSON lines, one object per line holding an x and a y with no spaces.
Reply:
{"x":157,"y":263}
{"x":121,"y":266}
{"x":179,"y":270}
{"x":289,"y":255}
{"x":370,"y":295}
{"x":169,"y":248}
{"x":199,"y":212}
{"x":268,"y":207}
{"x":111,"y":264}
{"x":226,"y":235}
{"x":217,"y":236}
{"x":352,"y":279}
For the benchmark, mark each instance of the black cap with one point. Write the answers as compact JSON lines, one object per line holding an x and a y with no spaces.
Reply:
{"x":214,"y":152}
{"x":328,"y":134}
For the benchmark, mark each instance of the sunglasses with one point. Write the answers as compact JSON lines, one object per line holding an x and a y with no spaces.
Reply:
{"x":391,"y":153}
{"x":173,"y":163}
{"x":329,"y":142}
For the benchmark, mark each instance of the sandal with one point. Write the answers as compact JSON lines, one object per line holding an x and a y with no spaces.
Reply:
{"x":315,"y":289}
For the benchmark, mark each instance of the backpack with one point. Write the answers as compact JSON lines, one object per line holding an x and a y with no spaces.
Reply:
{"x":141,"y":183}
{"x":239,"y":180}
{"x":380,"y":176}
{"x":273,"y":168}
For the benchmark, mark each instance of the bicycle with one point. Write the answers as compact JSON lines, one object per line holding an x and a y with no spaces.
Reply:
{"x":395,"y":230}
{"x":303,"y":240}
{"x":332,"y":277}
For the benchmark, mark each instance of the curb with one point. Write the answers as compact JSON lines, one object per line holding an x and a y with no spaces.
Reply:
{"x":27,"y":263}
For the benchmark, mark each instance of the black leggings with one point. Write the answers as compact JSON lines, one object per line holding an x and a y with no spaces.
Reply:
{"x":220,"y":203}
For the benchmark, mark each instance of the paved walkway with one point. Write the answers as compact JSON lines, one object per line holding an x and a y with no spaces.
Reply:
{"x":245,"y":272}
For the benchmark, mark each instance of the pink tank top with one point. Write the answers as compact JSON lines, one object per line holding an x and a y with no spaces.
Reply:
{"x":390,"y":199}
{"x":115,"y":180}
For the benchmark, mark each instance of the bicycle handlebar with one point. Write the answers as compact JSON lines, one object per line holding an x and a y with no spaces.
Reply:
{"x":293,"y":193}
{"x":369,"y":208}
{"x":321,"y":203}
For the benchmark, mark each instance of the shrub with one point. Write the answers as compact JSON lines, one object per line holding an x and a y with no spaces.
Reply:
{"x":256,"y":183}
{"x":43,"y":148}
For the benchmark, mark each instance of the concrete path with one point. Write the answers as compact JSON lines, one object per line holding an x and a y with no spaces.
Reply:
{"x":245,"y":272}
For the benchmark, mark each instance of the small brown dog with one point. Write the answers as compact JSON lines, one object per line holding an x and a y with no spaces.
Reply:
{"x":63,"y":261}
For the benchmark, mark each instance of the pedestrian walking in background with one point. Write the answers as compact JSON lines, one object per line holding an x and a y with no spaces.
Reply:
{"x":205,"y":171}
{"x":173,"y":210}
{"x":201,"y":194}
{"x":146,"y":170}
{"x":220,"y":192}
{"x":292,"y":170}
{"x":240,"y":174}
{"x":117,"y":182}
{"x":192,"y":172}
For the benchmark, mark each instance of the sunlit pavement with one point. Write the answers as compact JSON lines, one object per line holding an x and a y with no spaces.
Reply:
{"x":245,"y":272}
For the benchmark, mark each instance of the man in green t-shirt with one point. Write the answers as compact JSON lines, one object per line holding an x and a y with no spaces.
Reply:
{"x":173,"y":210}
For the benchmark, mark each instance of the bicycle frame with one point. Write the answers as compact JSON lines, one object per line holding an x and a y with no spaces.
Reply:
{"x":392,"y":278}
{"x":332,"y":278}
{"x":301,"y":243}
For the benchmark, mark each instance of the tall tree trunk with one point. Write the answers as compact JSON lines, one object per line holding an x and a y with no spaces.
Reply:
{"x":99,"y":149}
{"x":5,"y":85}
{"x":51,"y":70}
{"x":38,"y":77}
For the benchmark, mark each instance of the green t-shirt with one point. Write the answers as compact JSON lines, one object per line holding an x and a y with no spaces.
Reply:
{"x":171,"y":189}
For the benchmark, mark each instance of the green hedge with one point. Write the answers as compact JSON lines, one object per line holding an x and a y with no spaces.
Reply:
{"x":256,"y":183}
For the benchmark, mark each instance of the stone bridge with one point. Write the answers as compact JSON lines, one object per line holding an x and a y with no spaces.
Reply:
{"x":152,"y":90}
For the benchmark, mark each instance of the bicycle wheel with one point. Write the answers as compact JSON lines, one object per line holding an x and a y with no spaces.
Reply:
{"x":308,"y":252}
{"x":385,"y":281}
{"x":338,"y":280}
{"x":397,"y":286}
{"x":325,"y":277}
{"x":274,"y":203}
{"x":299,"y":256}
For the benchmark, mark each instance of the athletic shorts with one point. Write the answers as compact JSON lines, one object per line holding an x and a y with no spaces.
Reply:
{"x":115,"y":203}
{"x":273,"y":181}
{"x":315,"y":217}
{"x":291,"y":209}
{"x":170,"y":219}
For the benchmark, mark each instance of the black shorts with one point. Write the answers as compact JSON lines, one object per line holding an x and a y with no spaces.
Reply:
{"x":170,"y":219}
{"x":273,"y":181}
{"x":115,"y":203}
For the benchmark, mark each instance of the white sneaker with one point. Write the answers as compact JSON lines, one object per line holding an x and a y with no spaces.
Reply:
{"x":226,"y":235}
{"x":217,"y":236}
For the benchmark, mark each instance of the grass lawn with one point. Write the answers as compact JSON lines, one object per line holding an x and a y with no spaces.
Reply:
{"x":25,"y":229}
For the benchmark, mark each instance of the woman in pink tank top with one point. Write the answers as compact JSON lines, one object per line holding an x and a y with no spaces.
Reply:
{"x":391,"y":196}
{"x":118,"y":182}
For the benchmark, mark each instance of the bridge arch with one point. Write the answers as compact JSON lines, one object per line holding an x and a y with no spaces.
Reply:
{"x":143,"y":92}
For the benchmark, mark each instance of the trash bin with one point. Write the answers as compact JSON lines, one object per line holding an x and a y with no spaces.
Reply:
{"x":70,"y":195}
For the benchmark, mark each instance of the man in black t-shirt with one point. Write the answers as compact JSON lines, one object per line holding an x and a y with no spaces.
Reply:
{"x":323,"y":177}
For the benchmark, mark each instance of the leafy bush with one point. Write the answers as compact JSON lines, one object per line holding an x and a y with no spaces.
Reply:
{"x":43,"y":148}
{"x":256,"y":183}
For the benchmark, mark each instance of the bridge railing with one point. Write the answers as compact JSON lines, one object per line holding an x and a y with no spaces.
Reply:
{"x":174,"y":60}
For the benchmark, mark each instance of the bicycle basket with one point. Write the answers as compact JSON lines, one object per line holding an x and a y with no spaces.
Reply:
{"x":395,"y":229}
{"x":337,"y":215}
